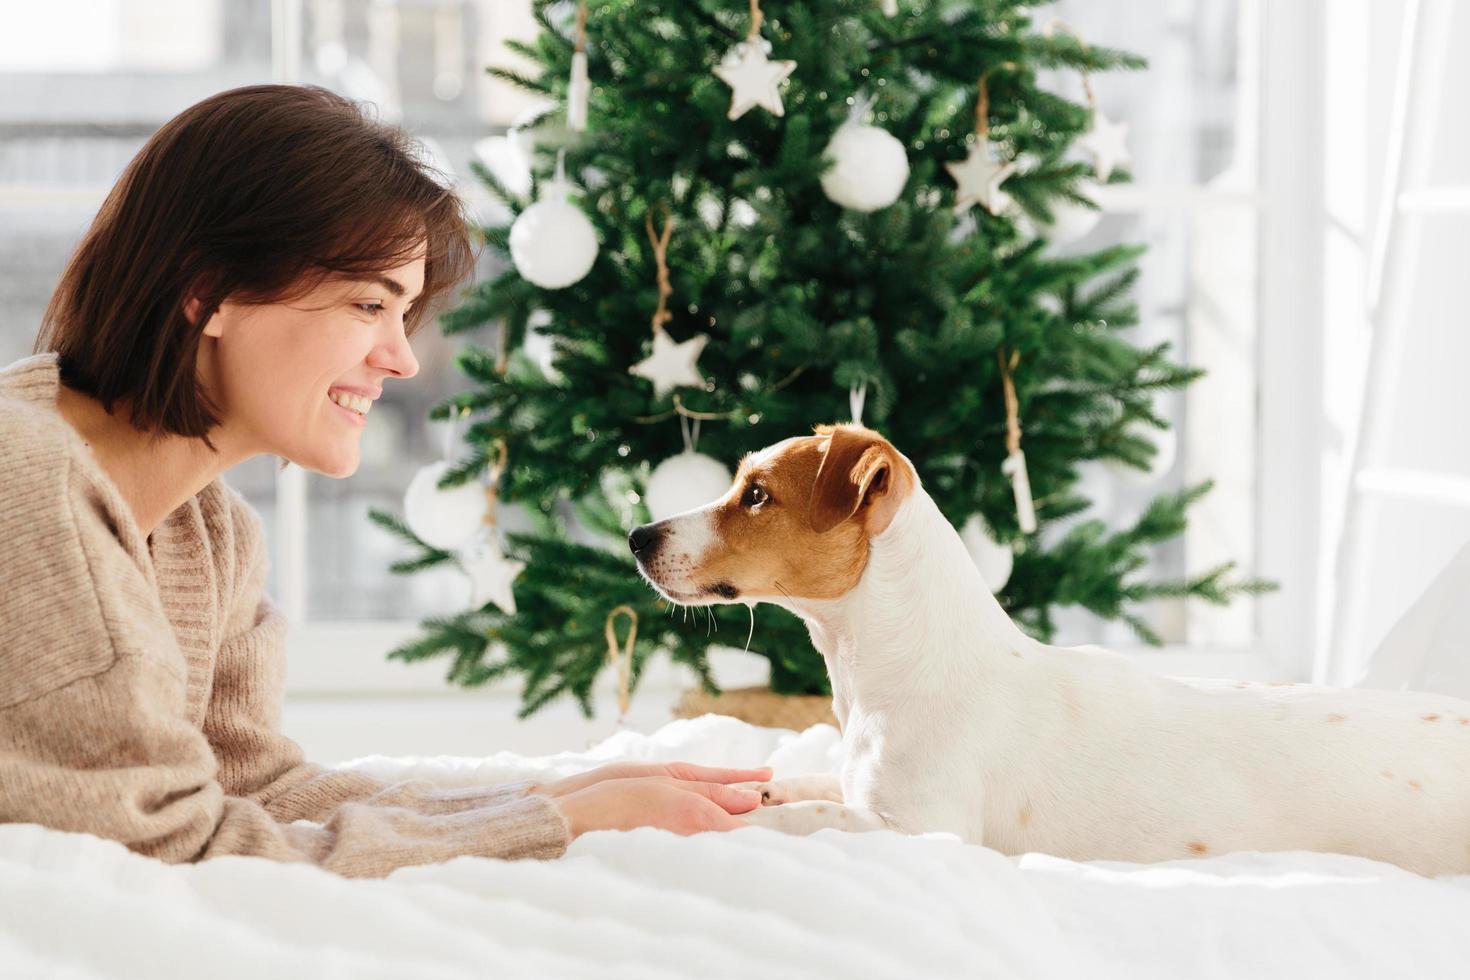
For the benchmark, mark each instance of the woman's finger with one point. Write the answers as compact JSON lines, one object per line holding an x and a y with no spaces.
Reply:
{"x":711,"y":774}
{"x":729,"y":798}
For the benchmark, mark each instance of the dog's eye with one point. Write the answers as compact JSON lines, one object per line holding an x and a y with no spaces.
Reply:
{"x":755,"y":495}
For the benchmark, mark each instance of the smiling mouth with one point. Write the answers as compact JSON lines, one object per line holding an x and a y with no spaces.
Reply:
{"x":353,"y":417}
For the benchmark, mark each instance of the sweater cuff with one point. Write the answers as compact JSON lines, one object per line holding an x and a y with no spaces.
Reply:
{"x":435,"y":800}
{"x":364,"y":841}
{"x":527,"y":827}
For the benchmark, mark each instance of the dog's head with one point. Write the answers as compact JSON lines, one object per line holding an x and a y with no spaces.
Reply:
{"x":796,"y":523}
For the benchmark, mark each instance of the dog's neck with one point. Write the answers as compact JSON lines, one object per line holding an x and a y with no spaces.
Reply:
{"x":921,"y":620}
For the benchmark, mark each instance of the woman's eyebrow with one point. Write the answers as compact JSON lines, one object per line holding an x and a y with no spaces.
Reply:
{"x":387,"y":282}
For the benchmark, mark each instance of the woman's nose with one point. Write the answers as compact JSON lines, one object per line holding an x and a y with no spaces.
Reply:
{"x":396,"y":356}
{"x":404,"y":363}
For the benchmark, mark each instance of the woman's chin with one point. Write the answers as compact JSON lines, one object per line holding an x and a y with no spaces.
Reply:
{"x":338,"y":466}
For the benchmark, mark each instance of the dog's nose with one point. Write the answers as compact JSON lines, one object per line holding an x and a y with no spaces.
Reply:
{"x":642,"y":538}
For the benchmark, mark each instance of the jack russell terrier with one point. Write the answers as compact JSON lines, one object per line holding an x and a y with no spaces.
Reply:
{"x":954,"y":720}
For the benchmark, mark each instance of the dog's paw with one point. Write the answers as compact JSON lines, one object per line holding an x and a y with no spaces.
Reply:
{"x":772,"y":793}
{"x":779,"y":792}
{"x":809,"y":816}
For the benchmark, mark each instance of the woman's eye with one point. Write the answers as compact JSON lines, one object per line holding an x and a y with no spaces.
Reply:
{"x":369,"y":308}
{"x":755,"y":495}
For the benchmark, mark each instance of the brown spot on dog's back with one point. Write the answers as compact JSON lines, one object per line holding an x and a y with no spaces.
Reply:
{"x":1023,"y":816}
{"x":1198,"y":847}
{"x":1334,"y":716}
{"x":1386,"y":774}
{"x":1414,"y":783}
{"x":1431,"y":717}
{"x":1015,"y":653}
{"x":1465,"y":721}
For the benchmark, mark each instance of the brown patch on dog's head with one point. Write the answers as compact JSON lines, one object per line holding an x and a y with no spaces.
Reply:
{"x":795,"y":523}
{"x":800,"y":514}
{"x":862,"y":477}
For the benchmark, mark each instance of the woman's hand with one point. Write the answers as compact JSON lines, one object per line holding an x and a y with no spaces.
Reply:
{"x":676,"y":796}
{"x":681,"y":805}
{"x":636,"y":770}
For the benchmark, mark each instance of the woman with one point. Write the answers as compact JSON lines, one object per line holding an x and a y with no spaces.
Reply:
{"x":268,"y":251}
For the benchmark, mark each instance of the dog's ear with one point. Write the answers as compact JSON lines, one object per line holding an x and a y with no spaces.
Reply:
{"x":861,"y":471}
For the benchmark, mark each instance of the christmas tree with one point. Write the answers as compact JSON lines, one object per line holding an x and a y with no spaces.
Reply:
{"x":775,"y":217}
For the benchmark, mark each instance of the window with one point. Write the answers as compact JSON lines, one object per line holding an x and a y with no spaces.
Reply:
{"x":74,"y":113}
{"x":1193,"y":120}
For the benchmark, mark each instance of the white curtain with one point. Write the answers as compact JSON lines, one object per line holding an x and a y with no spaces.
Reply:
{"x":1428,"y":649}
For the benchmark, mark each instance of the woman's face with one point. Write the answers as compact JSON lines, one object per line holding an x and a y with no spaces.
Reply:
{"x":275,"y":370}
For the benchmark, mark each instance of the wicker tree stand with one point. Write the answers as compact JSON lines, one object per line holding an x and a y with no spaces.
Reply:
{"x":759,"y":706}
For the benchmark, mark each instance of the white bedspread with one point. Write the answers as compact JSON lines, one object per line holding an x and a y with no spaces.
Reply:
{"x":747,"y":904}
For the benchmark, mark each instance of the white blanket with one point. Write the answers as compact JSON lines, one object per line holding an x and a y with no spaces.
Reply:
{"x":747,"y":904}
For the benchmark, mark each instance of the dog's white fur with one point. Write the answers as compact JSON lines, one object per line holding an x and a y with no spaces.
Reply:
{"x":954,"y":720}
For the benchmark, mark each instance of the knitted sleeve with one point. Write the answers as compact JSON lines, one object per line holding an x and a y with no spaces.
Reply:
{"x":243,"y":721}
{"x":94,"y":737}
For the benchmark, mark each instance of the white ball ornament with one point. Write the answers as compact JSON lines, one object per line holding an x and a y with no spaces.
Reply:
{"x":1166,"y":444}
{"x":993,"y":559}
{"x":1166,"y":453}
{"x":684,"y":482}
{"x":446,"y":519}
{"x":1098,"y":482}
{"x":508,"y":157}
{"x":869,"y":167}
{"x":552,"y":243}
{"x":1070,"y":220}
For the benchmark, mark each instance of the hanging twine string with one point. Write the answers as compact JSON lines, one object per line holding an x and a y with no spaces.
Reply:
{"x":982,"y":110}
{"x":1015,"y":461}
{"x":690,"y":413}
{"x":660,"y":244}
{"x":691,"y":439}
{"x":1051,"y":30}
{"x":733,"y":415}
{"x":502,"y":356}
{"x":623,"y":658}
{"x":492,"y":483}
{"x":1013,"y":409}
{"x":982,"y":101}
{"x":577,"y":85}
{"x":756,"y":18}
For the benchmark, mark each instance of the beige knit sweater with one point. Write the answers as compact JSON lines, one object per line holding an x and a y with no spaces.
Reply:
{"x":141,"y":682}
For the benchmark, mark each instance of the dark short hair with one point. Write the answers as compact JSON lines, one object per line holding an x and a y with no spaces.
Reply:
{"x":256,"y":195}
